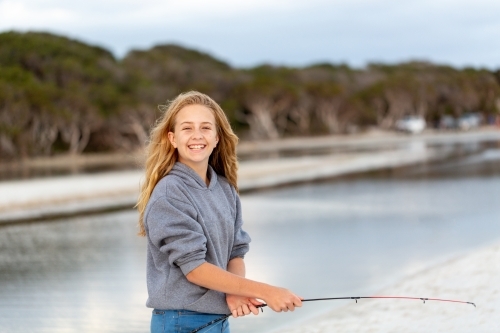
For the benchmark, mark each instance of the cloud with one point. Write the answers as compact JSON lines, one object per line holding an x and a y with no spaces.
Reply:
{"x":459,"y":32}
{"x":55,"y":13}
{"x":18,"y":14}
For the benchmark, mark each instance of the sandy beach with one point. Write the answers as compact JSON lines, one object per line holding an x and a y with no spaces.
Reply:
{"x":473,"y":277}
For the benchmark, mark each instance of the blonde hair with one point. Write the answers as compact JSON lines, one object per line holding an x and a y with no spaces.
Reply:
{"x":161,"y":155}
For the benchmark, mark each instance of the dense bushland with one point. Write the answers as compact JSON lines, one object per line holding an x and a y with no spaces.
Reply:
{"x":59,"y":95}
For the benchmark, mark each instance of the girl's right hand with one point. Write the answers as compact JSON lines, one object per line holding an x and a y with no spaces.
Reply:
{"x":281,"y":299}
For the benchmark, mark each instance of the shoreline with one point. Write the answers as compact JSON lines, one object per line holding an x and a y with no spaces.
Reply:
{"x":70,"y":195}
{"x":374,"y":139}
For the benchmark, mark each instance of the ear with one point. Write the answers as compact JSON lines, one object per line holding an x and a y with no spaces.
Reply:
{"x":171,"y":137}
{"x":216,"y":140}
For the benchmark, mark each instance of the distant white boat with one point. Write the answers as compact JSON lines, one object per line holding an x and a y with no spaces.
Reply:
{"x":469,"y":121}
{"x":411,"y":124}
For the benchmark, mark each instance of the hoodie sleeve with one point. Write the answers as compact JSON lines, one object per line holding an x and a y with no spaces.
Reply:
{"x":173,"y":229}
{"x":241,"y":238}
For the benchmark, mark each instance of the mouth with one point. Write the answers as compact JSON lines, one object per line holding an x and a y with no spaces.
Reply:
{"x":196,"y":147}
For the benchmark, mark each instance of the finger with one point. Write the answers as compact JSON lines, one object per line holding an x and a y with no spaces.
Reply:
{"x":253,"y":309}
{"x":246,"y":310}
{"x":240,"y":312}
{"x":298,"y":301}
{"x":234,"y":313}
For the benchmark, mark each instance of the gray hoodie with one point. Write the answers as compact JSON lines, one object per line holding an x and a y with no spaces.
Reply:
{"x":187,"y":224}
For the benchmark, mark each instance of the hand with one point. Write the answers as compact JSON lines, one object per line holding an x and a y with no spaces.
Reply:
{"x":281,"y":299}
{"x":242,"y":306}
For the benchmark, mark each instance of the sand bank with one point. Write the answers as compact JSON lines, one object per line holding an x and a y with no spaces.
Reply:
{"x":68,"y":195}
{"x":34,"y":199}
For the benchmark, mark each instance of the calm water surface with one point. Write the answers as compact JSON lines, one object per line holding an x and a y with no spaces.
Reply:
{"x":348,"y":237}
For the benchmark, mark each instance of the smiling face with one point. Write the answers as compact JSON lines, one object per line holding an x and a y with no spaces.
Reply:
{"x":195,"y":137}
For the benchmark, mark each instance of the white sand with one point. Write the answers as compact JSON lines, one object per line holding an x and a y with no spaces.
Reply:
{"x":36,"y":198}
{"x":474,"y":277}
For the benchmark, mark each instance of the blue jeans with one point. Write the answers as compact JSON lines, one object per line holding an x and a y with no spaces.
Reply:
{"x":184,"y":321}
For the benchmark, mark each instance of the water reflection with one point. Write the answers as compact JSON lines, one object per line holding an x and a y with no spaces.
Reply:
{"x":80,"y":275}
{"x":352,"y":236}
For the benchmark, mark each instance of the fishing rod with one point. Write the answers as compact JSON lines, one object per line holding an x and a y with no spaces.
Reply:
{"x":424,"y":299}
{"x":356,"y":298}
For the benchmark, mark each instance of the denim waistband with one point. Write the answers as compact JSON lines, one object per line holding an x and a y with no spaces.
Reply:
{"x":185,"y":312}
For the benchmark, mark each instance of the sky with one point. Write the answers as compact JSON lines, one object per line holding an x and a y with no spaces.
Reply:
{"x":460,"y":33}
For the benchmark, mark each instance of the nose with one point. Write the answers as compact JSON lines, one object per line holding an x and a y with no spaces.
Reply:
{"x":197,"y":134}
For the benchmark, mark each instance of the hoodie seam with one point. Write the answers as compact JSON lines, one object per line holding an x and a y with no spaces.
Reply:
{"x":184,"y":202}
{"x":151,"y":207}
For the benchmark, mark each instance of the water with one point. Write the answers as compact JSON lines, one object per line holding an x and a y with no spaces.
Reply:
{"x":348,"y":237}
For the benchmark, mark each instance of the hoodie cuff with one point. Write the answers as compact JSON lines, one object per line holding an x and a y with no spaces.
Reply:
{"x":239,"y":252}
{"x":189,"y":266}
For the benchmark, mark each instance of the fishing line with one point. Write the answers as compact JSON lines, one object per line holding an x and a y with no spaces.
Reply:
{"x":356,"y":298}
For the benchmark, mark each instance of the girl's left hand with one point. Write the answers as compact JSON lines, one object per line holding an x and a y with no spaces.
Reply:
{"x":241,"y":306}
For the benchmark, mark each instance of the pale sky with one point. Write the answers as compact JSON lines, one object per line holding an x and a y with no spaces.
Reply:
{"x":298,"y":33}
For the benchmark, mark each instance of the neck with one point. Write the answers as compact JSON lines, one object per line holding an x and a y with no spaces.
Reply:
{"x":200,"y":169}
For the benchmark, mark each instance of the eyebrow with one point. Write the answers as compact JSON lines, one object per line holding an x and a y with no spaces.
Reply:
{"x":191,"y":122}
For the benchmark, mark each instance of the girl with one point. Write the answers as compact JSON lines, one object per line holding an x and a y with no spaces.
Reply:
{"x":191,"y":215}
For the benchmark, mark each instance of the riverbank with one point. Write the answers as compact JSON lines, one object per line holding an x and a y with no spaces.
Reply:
{"x":473,"y":277}
{"x":278,"y":163}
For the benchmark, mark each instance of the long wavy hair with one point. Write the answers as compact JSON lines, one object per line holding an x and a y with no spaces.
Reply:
{"x":161,"y":155}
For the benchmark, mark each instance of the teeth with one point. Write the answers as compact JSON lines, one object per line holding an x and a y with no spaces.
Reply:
{"x":197,"y":146}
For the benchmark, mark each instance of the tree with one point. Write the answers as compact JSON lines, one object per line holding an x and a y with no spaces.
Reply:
{"x":58,"y":92}
{"x":268,"y":98}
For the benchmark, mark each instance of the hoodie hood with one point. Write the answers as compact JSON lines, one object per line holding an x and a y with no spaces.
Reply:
{"x":191,"y":178}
